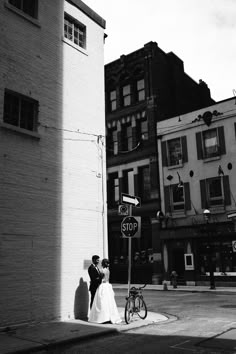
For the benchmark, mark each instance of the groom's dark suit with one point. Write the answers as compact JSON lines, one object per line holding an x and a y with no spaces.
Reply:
{"x":95,"y":280}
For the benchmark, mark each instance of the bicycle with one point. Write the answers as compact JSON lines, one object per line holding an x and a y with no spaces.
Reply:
{"x":135,"y":304}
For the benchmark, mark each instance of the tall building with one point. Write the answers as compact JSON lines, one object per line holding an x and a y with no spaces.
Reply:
{"x":141,"y":88}
{"x":52,"y":162}
{"x":198,"y":193}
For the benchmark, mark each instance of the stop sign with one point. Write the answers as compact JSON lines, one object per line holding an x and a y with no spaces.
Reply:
{"x":130,"y":226}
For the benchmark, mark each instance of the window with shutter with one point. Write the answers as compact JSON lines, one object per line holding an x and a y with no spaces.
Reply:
{"x":215,"y":192}
{"x":210,"y":143}
{"x":177,"y":197}
{"x":176,"y":151}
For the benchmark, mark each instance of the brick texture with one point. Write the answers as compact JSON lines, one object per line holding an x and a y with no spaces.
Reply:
{"x":52,"y":190}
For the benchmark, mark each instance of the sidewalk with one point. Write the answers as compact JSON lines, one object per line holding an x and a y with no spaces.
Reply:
{"x":28,"y":339}
{"x":202,"y":289}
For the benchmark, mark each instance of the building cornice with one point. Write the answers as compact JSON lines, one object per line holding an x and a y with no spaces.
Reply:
{"x":89,"y":12}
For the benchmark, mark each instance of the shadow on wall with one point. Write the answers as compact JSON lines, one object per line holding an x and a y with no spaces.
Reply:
{"x":81,"y":303}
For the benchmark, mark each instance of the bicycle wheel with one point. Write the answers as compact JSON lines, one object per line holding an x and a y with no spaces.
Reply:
{"x":141,"y":307}
{"x":129,"y":310}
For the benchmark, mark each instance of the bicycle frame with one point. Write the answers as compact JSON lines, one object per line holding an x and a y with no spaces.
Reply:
{"x":135,"y":304}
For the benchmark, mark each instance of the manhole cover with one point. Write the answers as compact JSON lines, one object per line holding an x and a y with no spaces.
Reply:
{"x":226,"y":340}
{"x":228,"y":306}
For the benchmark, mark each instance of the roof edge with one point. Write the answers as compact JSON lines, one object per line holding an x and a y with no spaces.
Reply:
{"x":89,"y":12}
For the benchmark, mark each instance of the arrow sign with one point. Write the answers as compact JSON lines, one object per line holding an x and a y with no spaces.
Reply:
{"x":130,"y":199}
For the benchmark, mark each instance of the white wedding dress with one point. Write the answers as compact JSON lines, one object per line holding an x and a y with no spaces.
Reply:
{"x":104,"y":307}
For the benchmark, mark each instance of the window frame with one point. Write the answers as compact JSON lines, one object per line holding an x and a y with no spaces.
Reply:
{"x":142,"y":129}
{"x":200,"y":144}
{"x":212,"y":201}
{"x":178,"y":160}
{"x":127,"y":137}
{"x":140,"y":91}
{"x":206,"y":154}
{"x":82,"y":29}
{"x":21,"y":8}
{"x":176,"y":206}
{"x":21,"y":99}
{"x":114,"y":189}
{"x":126,"y":96}
{"x":128,"y":181}
{"x":113,"y":101}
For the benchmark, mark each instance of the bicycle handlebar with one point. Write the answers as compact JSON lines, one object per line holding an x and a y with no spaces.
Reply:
{"x":137,"y":289}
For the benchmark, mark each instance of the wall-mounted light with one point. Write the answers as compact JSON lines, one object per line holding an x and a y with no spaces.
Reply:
{"x":206,"y":214}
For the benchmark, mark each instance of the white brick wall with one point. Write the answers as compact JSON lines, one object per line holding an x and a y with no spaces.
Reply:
{"x":52,"y":200}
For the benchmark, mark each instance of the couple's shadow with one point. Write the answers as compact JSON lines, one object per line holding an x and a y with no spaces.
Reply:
{"x":81,"y":303}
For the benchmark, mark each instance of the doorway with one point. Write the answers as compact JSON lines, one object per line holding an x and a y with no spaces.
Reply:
{"x":178,"y":263}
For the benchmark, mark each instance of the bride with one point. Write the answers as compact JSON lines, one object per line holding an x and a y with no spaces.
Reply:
{"x":104,"y":307}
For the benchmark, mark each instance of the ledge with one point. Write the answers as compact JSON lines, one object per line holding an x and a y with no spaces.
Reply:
{"x":20,"y":130}
{"x":20,"y":13}
{"x":180,"y":165}
{"x":209,"y":159}
{"x":73,"y":45}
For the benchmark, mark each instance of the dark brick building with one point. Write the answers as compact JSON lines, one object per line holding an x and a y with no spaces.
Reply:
{"x":142,"y":88}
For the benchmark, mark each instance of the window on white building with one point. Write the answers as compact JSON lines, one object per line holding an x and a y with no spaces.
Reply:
{"x":177,"y":197}
{"x":174,"y":152}
{"x":74,"y":31}
{"x":29,"y":7}
{"x":20,"y":111}
{"x":215,"y":192}
{"x":210,"y":143}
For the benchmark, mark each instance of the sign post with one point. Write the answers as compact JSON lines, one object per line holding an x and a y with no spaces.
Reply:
{"x":130,"y":227}
{"x":130,"y":259}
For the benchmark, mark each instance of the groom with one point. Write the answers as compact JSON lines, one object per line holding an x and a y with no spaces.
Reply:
{"x":95,"y":277}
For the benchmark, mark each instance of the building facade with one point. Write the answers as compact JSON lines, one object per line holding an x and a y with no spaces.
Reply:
{"x":141,"y":88}
{"x":52,"y":180}
{"x":197,"y":161}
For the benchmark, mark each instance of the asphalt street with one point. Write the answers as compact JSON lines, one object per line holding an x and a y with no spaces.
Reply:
{"x":197,"y":323}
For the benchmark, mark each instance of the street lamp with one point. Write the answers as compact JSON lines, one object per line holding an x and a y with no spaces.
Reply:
{"x":160,"y":218}
{"x":207,"y":215}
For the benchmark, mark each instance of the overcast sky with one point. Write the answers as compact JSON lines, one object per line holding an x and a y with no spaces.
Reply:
{"x":201,"y":32}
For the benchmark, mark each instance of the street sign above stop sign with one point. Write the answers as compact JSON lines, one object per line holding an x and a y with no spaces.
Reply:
{"x":131,"y":226}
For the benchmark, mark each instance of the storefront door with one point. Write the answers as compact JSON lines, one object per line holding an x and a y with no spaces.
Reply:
{"x":178,"y":262}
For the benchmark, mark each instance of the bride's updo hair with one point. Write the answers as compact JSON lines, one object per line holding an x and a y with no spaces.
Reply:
{"x":105,"y":263}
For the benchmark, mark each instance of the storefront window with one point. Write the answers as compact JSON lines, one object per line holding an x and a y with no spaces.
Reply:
{"x":221,"y":254}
